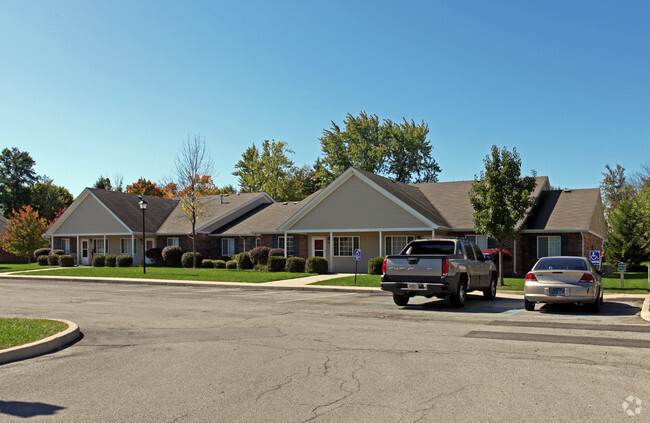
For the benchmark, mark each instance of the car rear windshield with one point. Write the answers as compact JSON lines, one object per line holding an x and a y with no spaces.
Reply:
{"x":561,"y":263}
{"x":430,"y":247}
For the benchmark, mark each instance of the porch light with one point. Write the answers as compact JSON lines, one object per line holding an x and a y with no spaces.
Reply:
{"x":143,"y":207}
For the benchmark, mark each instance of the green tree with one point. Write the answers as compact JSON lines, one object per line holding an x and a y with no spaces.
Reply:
{"x":16,"y":175}
{"x":626,"y":241}
{"x":190,"y":170}
{"x":399,"y":151}
{"x":48,"y":199}
{"x":103,"y":183}
{"x":613,"y":188}
{"x":24,"y":233}
{"x":144,"y":187}
{"x":272,"y":171}
{"x":501,"y":197}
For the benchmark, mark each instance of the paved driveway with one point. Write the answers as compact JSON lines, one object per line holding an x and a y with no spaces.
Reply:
{"x":182,"y":354}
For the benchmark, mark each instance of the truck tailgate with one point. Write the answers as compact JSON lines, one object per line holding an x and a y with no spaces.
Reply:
{"x":401,"y":268}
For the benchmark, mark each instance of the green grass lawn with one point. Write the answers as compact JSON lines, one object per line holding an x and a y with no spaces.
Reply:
{"x":14,"y":332}
{"x":635,"y":283}
{"x":19,"y":267}
{"x":171,"y":273}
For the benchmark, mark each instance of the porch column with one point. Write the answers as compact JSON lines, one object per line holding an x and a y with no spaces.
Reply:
{"x":104,"y":252}
{"x":286,"y":247}
{"x":78,"y":252}
{"x":331,"y":252}
{"x":381,"y":236}
{"x":133,"y":248}
{"x":433,"y":233}
{"x":52,"y":242}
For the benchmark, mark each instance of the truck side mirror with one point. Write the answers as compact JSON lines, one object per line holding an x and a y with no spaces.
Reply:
{"x":487,"y":256}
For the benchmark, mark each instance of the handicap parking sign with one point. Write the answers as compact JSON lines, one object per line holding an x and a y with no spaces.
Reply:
{"x":594,"y":256}
{"x":357,"y":254}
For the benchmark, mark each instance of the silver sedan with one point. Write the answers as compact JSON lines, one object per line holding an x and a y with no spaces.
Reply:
{"x":564,"y":280}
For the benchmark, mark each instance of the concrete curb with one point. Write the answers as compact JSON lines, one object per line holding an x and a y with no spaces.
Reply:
{"x":645,"y":310}
{"x":43,"y":346}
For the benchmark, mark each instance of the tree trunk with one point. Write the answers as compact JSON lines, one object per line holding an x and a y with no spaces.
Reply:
{"x":500,"y":264}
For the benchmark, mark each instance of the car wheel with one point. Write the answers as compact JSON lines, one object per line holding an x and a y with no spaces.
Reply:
{"x":529,"y":305}
{"x":458,"y":299}
{"x":595,"y":306}
{"x":491,"y":292}
{"x":401,"y":300}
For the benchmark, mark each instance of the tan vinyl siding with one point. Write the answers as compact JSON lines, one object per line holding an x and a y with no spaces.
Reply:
{"x":369,"y":245}
{"x":356,"y":205}
{"x":91,"y":217}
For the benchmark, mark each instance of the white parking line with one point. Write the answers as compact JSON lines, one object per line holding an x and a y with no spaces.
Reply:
{"x":256,"y":294}
{"x":314,"y":298}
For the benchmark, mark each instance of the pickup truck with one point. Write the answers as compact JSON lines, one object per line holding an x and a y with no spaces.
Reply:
{"x":445,"y":268}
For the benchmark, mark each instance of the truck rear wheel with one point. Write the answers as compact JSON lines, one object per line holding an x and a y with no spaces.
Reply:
{"x":491,"y":292}
{"x":401,"y":300}
{"x":458,"y":299}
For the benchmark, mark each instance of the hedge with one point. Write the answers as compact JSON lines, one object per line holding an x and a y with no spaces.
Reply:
{"x":296,"y":264}
{"x":317,"y":265}
{"x":260,"y":255}
{"x":172,"y":256}
{"x":110,"y":260}
{"x":66,"y":260}
{"x":187,"y":260}
{"x":207,"y":264}
{"x":58,"y":252}
{"x":244,"y":261}
{"x":277,"y":263}
{"x":375,"y":265}
{"x":154,"y":254}
{"x":42,"y":252}
{"x":278,"y":252}
{"x":124,"y":261}
{"x":231,"y":264}
{"x":219,"y":264}
{"x":42,"y":260}
{"x":53,"y":260}
{"x":99,"y":260}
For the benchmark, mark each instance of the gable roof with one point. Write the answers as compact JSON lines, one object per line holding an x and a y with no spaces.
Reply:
{"x":263,"y":220}
{"x":566,"y":210}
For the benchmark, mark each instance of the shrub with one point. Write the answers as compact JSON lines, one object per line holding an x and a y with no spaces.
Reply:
{"x":260,"y":255}
{"x":53,"y":260}
{"x":42,"y":260}
{"x":154,"y":254}
{"x":58,"y":252}
{"x":172,"y":256}
{"x":110,"y":260}
{"x":261,"y":268}
{"x":231,"y":264}
{"x":187,"y":260}
{"x":42,"y":252}
{"x":295,"y":264}
{"x":244,"y":261}
{"x":207,"y":264}
{"x":375,"y":265}
{"x":99,"y":260}
{"x":124,"y":261}
{"x":224,"y":258}
{"x":219,"y":264}
{"x":277,"y":264}
{"x":276,"y":252}
{"x":317,"y":265}
{"x":66,"y":260}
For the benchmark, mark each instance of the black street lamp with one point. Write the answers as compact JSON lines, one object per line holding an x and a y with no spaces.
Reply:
{"x":143,"y":207}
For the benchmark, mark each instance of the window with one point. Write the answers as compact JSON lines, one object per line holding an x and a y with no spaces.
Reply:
{"x":65,"y":245}
{"x":549,"y":246}
{"x":396,"y":243}
{"x":344,"y":246}
{"x":290,"y":251}
{"x":480,"y":240}
{"x":98,"y":246}
{"x":469,"y":251}
{"x":125,"y":246}
{"x":172,"y":242}
{"x":258,"y":242}
{"x":227,"y":247}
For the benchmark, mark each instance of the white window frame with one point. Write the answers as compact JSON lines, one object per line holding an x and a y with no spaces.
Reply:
{"x":227,"y":246}
{"x":290,"y":249}
{"x":65,"y":245}
{"x":95,"y":249}
{"x":173,"y":241}
{"x":480,"y":240}
{"x":394,"y":243}
{"x":353,"y":240}
{"x":127,"y":242}
{"x":553,"y":246}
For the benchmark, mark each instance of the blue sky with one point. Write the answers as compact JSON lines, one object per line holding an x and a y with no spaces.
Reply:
{"x":94,"y":88}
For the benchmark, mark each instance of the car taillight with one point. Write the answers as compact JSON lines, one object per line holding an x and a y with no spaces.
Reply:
{"x":445,"y":266}
{"x":383,"y":267}
{"x":531,"y":277}
{"x":587,"y":278}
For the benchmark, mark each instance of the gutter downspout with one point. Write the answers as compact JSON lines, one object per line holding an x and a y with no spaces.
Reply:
{"x":582,"y":235}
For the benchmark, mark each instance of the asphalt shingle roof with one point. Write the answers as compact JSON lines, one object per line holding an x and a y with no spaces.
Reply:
{"x":564,"y":210}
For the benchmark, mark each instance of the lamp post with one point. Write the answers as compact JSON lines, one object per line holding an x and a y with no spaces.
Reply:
{"x":143,"y":207}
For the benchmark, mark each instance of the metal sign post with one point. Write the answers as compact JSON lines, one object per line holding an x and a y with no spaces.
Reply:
{"x":357,"y":257}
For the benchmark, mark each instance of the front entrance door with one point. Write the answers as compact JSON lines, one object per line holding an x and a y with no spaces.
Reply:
{"x":318,"y":246}
{"x":85,"y":252}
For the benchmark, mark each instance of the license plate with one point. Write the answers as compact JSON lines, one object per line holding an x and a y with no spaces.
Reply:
{"x":556,"y":292}
{"x":417,"y":286}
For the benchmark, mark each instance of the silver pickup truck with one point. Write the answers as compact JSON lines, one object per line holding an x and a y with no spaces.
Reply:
{"x":446,"y":268}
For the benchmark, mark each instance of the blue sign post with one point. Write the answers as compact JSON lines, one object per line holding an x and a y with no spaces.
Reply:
{"x":357,"y":257}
